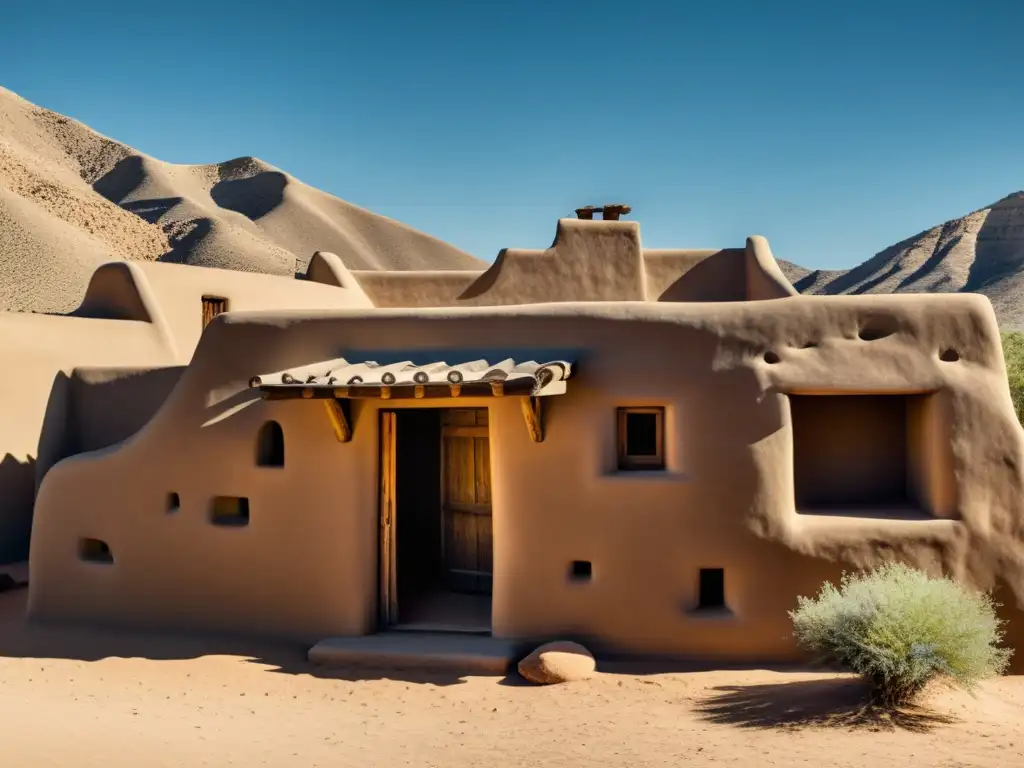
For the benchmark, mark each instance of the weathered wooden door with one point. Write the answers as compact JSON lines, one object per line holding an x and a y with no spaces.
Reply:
{"x":466,"y":500}
{"x":388,"y":492}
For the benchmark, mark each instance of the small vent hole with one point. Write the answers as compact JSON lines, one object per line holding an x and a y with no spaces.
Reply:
{"x":581,"y":570}
{"x":772,"y":358}
{"x":95,"y":551}
{"x":949,"y":356}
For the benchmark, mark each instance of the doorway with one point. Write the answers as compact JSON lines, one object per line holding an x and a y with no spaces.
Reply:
{"x":436,"y":532}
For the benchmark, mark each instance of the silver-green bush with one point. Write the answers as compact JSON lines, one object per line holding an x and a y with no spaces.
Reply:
{"x":900,"y":629}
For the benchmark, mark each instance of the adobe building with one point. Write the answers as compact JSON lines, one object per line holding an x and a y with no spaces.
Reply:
{"x":655,"y":451}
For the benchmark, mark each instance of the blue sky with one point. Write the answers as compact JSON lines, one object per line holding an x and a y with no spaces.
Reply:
{"x":834,"y":129}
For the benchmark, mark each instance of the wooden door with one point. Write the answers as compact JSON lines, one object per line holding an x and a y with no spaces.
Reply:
{"x":466,"y":500}
{"x":388,"y":492}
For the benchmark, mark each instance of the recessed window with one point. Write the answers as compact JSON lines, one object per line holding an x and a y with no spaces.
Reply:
{"x":270,"y":445}
{"x":95,"y":551}
{"x":712,"y":588}
{"x":230,"y":511}
{"x":641,"y":438}
{"x":173,"y":502}
{"x":213,"y":306}
{"x":580,"y":570}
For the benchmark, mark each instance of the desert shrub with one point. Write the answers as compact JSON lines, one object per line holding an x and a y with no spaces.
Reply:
{"x":900,"y":629}
{"x":1013,"y":351}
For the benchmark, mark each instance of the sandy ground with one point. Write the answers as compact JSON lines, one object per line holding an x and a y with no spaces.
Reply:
{"x":73,"y":697}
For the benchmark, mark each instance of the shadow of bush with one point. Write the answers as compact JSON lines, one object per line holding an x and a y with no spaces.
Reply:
{"x":829,"y":703}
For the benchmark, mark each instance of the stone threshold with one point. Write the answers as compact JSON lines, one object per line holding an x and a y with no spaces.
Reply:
{"x":460,"y":652}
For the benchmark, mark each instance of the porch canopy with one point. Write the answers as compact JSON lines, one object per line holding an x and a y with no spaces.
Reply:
{"x":341,"y":379}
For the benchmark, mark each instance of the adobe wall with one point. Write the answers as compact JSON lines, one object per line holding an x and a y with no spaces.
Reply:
{"x":38,"y":352}
{"x":724,"y":373}
{"x":589,"y":261}
{"x":133,"y":315}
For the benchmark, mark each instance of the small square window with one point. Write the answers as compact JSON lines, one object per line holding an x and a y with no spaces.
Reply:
{"x":230,"y":511}
{"x":213,"y":306}
{"x":641,"y":438}
{"x":580,"y":570}
{"x":712,"y":588}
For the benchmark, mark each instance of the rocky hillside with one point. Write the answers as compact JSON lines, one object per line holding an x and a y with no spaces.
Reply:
{"x":982,"y":252}
{"x":71,"y":199}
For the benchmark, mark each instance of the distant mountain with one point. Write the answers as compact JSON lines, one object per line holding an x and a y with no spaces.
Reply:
{"x":982,"y":252}
{"x":71,"y":199}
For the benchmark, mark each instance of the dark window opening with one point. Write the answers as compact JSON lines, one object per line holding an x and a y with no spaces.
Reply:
{"x":641,"y":438}
{"x":270,"y":445}
{"x":712,"y":588}
{"x":580,"y":570}
{"x":230,"y":511}
{"x":95,"y":551}
{"x":855,"y":453}
{"x":213,"y":306}
{"x":173,"y":502}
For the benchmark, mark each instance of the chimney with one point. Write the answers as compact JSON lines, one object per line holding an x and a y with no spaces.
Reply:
{"x":610,"y":212}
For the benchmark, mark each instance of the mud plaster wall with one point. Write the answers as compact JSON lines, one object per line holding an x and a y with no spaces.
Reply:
{"x":589,"y":261}
{"x":133,"y":315}
{"x":726,"y":499}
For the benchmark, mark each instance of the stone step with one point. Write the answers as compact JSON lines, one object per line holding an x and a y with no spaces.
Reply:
{"x":436,"y":651}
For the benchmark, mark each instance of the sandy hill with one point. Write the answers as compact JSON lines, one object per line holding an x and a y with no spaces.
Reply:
{"x":982,"y":252}
{"x":71,"y":199}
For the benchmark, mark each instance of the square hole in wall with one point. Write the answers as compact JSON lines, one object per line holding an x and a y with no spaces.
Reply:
{"x":872,"y":455}
{"x":580,"y":570}
{"x":230,"y":511}
{"x":711,"y":589}
{"x":95,"y":551}
{"x":641,"y":438}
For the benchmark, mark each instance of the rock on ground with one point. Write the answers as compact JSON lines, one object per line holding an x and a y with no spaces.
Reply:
{"x":558,"y":662}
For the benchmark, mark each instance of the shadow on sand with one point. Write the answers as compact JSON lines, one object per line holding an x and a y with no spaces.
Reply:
{"x":833,"y":703}
{"x":20,"y":638}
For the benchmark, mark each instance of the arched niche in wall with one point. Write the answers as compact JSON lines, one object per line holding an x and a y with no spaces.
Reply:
{"x":270,"y":445}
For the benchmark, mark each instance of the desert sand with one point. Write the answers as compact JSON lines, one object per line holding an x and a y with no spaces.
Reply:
{"x":74,"y":696}
{"x":71,"y":199}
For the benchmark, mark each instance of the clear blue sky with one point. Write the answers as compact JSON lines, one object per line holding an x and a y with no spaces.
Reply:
{"x":833,"y":128}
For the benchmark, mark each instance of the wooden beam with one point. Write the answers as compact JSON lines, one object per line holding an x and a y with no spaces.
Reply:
{"x":339,"y":421}
{"x":455,"y":389}
{"x":532,"y":413}
{"x":418,"y":392}
{"x":498,"y":388}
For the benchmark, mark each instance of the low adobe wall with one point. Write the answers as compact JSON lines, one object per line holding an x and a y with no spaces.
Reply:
{"x":725,"y":374}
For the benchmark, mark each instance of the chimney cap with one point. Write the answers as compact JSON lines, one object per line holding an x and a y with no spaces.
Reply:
{"x":609,"y":211}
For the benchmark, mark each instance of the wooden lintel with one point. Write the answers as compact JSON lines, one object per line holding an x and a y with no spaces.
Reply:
{"x":339,"y":421}
{"x":533,"y":416}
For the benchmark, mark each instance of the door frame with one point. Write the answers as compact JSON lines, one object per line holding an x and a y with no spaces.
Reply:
{"x":388,"y":563}
{"x":387,"y":508}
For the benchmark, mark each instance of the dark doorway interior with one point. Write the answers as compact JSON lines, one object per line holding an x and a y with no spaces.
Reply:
{"x":425,"y":549}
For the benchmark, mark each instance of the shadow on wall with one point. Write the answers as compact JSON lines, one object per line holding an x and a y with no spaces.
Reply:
{"x":17,"y":494}
{"x":716,"y":278}
{"x":95,"y":408}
